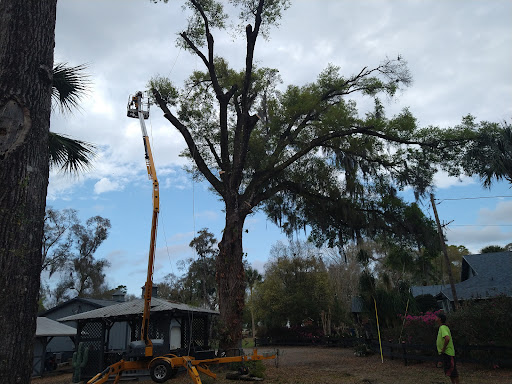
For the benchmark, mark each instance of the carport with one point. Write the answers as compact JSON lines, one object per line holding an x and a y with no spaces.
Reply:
{"x":46,"y":330}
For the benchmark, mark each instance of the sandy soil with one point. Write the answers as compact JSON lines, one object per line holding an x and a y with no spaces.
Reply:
{"x":299,"y":365}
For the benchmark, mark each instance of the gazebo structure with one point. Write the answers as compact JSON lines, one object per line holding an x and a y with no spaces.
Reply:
{"x":108,"y":331}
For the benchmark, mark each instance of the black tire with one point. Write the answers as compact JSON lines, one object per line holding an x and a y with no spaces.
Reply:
{"x":243,"y":370}
{"x":161,"y":371}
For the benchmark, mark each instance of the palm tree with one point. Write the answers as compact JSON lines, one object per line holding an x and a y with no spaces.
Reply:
{"x":69,"y":85}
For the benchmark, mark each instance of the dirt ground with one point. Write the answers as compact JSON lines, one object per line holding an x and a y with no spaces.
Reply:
{"x":299,"y":365}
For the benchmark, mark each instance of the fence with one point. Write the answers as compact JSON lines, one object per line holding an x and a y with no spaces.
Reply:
{"x":482,"y":354}
{"x":490,"y":355}
{"x":341,"y":342}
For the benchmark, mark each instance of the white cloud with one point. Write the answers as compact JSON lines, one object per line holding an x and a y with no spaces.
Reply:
{"x":259,"y":265}
{"x":476,"y":238}
{"x":181,"y":237}
{"x":167,"y":256}
{"x":116,"y":257}
{"x":492,"y":227}
{"x":61,"y":185}
{"x":443,"y":181}
{"x":208,"y":215}
{"x":179,"y":180}
{"x":106,"y":185}
{"x":502,"y":214}
{"x":101,"y":104}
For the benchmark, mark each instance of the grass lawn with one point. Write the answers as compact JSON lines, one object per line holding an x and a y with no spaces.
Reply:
{"x":319,"y":365}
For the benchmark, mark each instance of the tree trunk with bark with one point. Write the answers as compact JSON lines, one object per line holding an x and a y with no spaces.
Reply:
{"x":231,"y":281}
{"x":27,"y":39}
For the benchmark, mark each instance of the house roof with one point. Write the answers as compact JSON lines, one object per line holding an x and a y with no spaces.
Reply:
{"x":357,"y":305}
{"x":48,"y":327}
{"x":495,"y":264}
{"x":433,"y":290}
{"x":136,"y":307}
{"x":493,"y":276}
{"x":94,"y":302}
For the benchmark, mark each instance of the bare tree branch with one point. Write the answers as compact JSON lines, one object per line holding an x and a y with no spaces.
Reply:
{"x":196,"y":156}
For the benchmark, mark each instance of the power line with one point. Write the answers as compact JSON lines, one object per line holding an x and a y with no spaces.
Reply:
{"x":471,"y":198}
{"x":479,"y":225}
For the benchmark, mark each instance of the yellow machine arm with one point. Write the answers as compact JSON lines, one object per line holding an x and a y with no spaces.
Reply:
{"x":136,"y":110}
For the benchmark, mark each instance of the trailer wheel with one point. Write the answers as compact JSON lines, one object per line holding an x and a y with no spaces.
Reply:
{"x":161,"y":371}
{"x":243,"y":370}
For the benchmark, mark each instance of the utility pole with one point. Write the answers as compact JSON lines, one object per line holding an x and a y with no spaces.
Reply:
{"x":445,"y":252}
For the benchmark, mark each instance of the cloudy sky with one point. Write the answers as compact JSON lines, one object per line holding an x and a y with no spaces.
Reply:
{"x":458,"y":52}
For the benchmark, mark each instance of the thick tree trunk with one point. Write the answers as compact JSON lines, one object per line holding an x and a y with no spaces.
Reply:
{"x":231,"y":281}
{"x":27,"y":37}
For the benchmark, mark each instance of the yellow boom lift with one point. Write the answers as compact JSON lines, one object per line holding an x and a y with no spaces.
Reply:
{"x":161,"y":367}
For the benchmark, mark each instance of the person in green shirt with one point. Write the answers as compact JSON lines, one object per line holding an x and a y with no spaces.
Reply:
{"x":445,"y":348}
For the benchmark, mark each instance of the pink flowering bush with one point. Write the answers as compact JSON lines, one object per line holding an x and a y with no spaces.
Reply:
{"x":419,"y":329}
{"x":414,"y":329}
{"x":427,"y":318}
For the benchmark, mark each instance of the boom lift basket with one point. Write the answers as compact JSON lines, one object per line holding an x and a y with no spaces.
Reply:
{"x":132,"y":109}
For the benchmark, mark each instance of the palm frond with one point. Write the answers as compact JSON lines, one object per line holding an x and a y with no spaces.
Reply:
{"x":69,"y":86}
{"x":73,"y":156}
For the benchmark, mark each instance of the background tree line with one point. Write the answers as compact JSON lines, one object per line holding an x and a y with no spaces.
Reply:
{"x":305,"y":287}
{"x":69,"y":267}
{"x":302,"y":285}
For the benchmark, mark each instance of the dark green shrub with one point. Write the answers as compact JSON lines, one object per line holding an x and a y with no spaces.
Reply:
{"x":426,"y":303}
{"x":362,"y":349}
{"x":255,"y":368}
{"x":483,"y":322}
{"x":296,"y":334}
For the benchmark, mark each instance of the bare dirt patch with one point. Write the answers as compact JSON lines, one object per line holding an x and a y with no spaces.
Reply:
{"x":300,"y":365}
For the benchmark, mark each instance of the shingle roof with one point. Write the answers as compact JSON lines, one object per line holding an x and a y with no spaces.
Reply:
{"x":94,"y":302}
{"x":494,"y":265}
{"x":101,"y":302}
{"x":49,"y":327}
{"x":357,"y":305}
{"x":493,"y":277}
{"x":433,"y":290}
{"x":136,"y":307}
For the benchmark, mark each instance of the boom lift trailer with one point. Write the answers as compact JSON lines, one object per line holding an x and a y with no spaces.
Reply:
{"x":141,"y":354}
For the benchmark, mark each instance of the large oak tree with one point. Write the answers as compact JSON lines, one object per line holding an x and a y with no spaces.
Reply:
{"x":291,"y":150}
